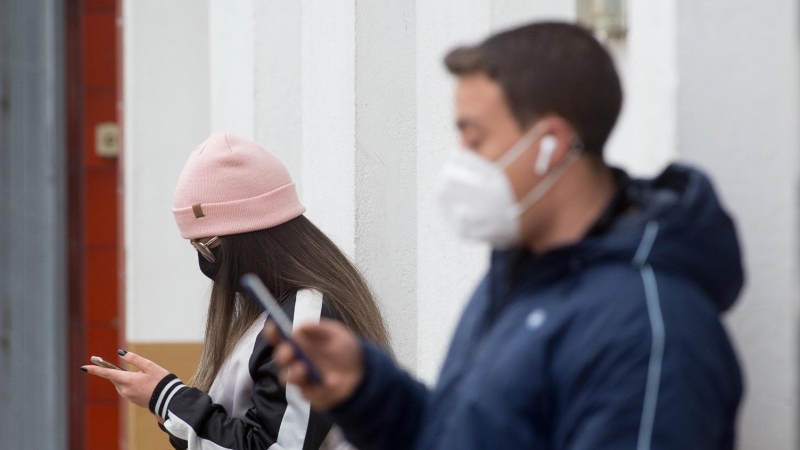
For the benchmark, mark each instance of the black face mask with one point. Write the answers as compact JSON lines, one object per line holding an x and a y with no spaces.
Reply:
{"x":208,"y":268}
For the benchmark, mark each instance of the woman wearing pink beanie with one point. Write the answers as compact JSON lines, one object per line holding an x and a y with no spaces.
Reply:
{"x":236,"y":203}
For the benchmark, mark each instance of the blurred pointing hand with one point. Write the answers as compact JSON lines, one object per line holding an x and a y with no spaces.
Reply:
{"x":335,"y":351}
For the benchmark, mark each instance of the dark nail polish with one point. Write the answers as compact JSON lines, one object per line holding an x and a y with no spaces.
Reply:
{"x":122,"y":352}
{"x":83,"y":369}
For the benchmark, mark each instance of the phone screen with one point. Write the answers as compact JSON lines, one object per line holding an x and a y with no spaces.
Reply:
{"x":98,"y":361}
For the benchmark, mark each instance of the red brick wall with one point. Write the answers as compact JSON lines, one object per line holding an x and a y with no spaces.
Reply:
{"x":95,"y":320}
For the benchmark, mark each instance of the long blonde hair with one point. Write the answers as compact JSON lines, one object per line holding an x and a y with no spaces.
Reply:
{"x":289,"y":257}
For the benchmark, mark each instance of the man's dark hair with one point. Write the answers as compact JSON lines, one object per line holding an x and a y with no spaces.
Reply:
{"x":550,"y":68}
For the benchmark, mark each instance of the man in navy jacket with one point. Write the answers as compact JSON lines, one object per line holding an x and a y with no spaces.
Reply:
{"x":597,"y":325}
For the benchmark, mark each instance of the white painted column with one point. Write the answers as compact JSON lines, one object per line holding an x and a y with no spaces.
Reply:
{"x":278,"y":71}
{"x":385,"y":162}
{"x":645,"y":138}
{"x":447,"y":268}
{"x":328,"y":118}
{"x":231,"y":48}
{"x":358,"y":146}
{"x":166,"y":85}
{"x":738,"y":116}
{"x":512,"y":13}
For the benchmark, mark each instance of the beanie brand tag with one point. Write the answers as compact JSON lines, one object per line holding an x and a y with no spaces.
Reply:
{"x":198,"y":211}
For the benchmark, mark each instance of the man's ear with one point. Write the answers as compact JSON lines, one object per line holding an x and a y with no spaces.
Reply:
{"x":556,"y":142}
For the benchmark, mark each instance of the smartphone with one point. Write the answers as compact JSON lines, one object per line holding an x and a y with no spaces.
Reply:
{"x":98,"y":361}
{"x":256,"y":288}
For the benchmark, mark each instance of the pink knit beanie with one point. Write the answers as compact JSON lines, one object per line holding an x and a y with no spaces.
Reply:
{"x":232,"y":185}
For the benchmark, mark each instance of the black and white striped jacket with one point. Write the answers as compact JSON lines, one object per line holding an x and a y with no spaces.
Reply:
{"x":246,"y":407}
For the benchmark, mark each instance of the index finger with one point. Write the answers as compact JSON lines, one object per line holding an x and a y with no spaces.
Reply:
{"x":314,"y":332}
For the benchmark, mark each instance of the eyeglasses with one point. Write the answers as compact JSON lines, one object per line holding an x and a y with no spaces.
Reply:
{"x":204,"y":248}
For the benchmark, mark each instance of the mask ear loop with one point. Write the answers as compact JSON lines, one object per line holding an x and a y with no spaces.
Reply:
{"x":519,"y":148}
{"x":549,"y":179}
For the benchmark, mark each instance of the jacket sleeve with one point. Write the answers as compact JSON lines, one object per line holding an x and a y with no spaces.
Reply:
{"x":177,"y":444}
{"x":385,"y":412}
{"x":278,"y":419}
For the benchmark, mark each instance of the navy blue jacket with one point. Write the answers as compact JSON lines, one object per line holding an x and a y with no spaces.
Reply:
{"x":613,"y":342}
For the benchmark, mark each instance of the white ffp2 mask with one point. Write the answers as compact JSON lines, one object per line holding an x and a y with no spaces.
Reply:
{"x":477,"y":198}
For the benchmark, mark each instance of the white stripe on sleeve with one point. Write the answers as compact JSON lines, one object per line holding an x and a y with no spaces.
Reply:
{"x":171,"y":394}
{"x":163,"y":394}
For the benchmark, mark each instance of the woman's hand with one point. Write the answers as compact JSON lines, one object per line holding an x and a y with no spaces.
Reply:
{"x":136,"y":387}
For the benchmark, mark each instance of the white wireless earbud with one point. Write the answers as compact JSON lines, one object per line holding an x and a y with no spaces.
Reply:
{"x":546,"y":149}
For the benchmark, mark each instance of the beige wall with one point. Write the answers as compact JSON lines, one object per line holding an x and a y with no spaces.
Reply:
{"x":142,"y":428}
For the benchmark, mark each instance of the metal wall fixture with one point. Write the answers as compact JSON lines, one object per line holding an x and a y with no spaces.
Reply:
{"x":606,"y":18}
{"x":107,"y":139}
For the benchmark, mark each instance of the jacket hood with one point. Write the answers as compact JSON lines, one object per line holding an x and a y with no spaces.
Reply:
{"x":679,"y":227}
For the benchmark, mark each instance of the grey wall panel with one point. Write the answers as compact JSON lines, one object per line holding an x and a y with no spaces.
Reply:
{"x":33,"y":290}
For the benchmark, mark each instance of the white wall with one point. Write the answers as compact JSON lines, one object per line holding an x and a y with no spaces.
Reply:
{"x":715,"y":83}
{"x":447,"y":268}
{"x":231,"y":45}
{"x":328,"y":118}
{"x":443,"y":286}
{"x":386,"y":156}
{"x":738,"y":117}
{"x":353,"y":97}
{"x":336,"y":103}
{"x":645,"y":138}
{"x":166,"y":101}
{"x":277,"y":64}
